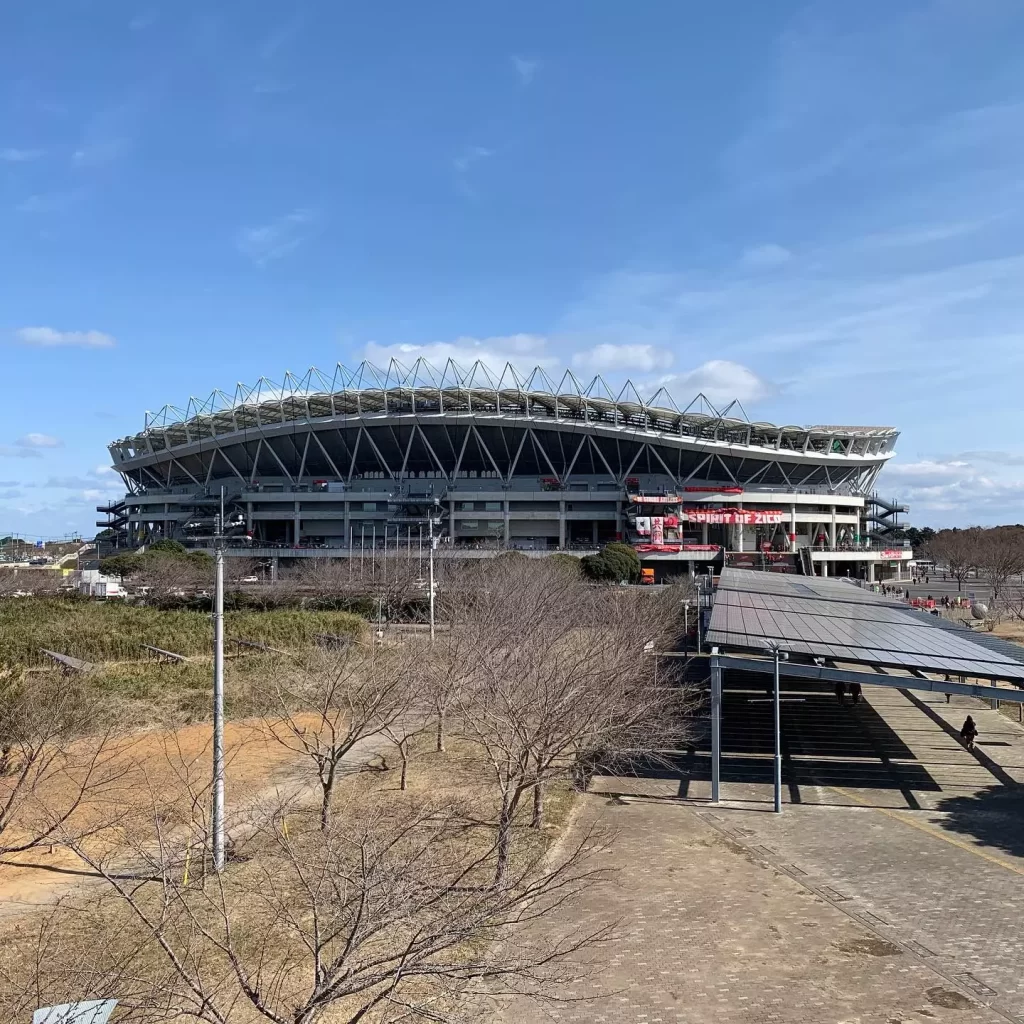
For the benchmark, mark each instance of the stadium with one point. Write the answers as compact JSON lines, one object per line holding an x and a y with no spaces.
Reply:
{"x":330,"y":466}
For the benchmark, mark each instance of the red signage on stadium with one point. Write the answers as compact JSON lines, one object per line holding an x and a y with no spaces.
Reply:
{"x":672,"y":548}
{"x":732,"y":516}
{"x":714,"y":490}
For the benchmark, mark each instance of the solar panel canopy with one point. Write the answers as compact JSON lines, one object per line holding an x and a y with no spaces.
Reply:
{"x":840,"y":621}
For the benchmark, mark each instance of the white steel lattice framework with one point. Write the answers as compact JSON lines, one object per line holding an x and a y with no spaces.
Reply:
{"x":401,"y":421}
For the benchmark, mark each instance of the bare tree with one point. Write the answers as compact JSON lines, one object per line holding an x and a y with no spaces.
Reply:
{"x":1000,"y":557}
{"x":561,"y":675}
{"x":56,"y":759}
{"x":959,"y":551}
{"x":29,"y":582}
{"x":337,"y":699}
{"x":384,"y":916}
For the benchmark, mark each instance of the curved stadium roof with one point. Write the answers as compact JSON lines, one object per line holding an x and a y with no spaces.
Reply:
{"x":399,"y":390}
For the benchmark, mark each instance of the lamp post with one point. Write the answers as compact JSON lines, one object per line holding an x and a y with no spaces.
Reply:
{"x":775,"y":648}
{"x":218,"y":694}
{"x":432,"y":544}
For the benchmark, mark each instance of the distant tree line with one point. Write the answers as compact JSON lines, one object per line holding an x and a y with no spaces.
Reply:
{"x":994,"y":555}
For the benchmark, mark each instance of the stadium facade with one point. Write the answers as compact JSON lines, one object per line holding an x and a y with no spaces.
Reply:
{"x":328,"y":466}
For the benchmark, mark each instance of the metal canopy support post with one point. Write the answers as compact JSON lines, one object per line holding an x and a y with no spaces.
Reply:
{"x":716,"y":729}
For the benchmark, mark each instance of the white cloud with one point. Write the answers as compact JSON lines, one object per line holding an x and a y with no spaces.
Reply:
{"x":628,"y":358}
{"x":764,"y":257}
{"x":49,"y":337}
{"x":17,"y":452}
{"x":526,"y":68}
{"x":39,"y":441}
{"x":952,"y":492}
{"x":278,"y":238}
{"x":719,"y":380}
{"x":19,"y":156}
{"x":523,"y":351}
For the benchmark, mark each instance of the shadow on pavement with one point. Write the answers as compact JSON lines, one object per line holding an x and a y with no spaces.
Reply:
{"x":824,"y":743}
{"x":993,"y":817}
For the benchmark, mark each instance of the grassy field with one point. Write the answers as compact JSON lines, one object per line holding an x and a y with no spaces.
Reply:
{"x":112,"y":632}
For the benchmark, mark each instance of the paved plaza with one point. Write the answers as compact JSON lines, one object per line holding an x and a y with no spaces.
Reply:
{"x":890,"y":890}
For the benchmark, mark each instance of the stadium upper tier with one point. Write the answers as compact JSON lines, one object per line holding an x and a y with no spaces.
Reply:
{"x":388,"y":404}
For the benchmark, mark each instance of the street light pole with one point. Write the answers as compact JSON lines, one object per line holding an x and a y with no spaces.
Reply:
{"x":430,"y":528}
{"x":776,"y":650}
{"x":218,"y":694}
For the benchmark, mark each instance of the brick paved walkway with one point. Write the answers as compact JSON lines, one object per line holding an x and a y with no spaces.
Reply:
{"x":896,"y":898}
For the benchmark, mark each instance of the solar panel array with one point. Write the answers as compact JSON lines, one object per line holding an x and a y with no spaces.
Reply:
{"x":840,"y":621}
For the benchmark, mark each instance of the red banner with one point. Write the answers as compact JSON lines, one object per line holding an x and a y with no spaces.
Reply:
{"x":733,"y":516}
{"x":673,"y":548}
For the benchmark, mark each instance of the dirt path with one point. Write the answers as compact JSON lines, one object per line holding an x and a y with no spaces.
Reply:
{"x":259,"y":771}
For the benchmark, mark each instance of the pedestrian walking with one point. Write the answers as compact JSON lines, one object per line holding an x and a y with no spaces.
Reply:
{"x":968,"y":732}
{"x":855,"y":692}
{"x":841,"y":692}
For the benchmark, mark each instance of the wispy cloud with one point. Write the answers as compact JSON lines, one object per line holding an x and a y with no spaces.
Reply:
{"x":627,"y":358}
{"x":526,"y":68}
{"x":101,"y":153}
{"x":279,"y":237}
{"x":39,"y":441}
{"x":764,"y":257}
{"x":469,"y":156}
{"x":464,"y":163}
{"x":49,"y":202}
{"x":720,"y":381}
{"x":142,"y":20}
{"x":11,"y":155}
{"x":16,"y":452}
{"x":49,"y":337}
{"x":523,"y":351}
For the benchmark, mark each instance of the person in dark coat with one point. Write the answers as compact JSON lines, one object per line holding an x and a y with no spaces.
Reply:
{"x":855,"y":692}
{"x":841,"y":692}
{"x":968,"y":732}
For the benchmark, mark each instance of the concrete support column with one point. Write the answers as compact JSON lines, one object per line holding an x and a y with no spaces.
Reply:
{"x":824,"y":568}
{"x":298,"y":524}
{"x":505,"y":515}
{"x":792,"y":527}
{"x":248,"y":517}
{"x":716,"y":730}
{"x":273,"y":569}
{"x":832,"y":530}
{"x":620,"y":521}
{"x":739,"y":529}
{"x":703,"y":533}
{"x":595,"y":532}
{"x":561,"y":525}
{"x":871,"y":572}
{"x":348,"y":524}
{"x":451,"y":519}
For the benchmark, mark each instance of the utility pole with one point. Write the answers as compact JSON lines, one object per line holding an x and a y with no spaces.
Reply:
{"x":433,"y":543}
{"x":218,"y":694}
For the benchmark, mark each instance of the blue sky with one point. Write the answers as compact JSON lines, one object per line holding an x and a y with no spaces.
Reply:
{"x":812,"y":207}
